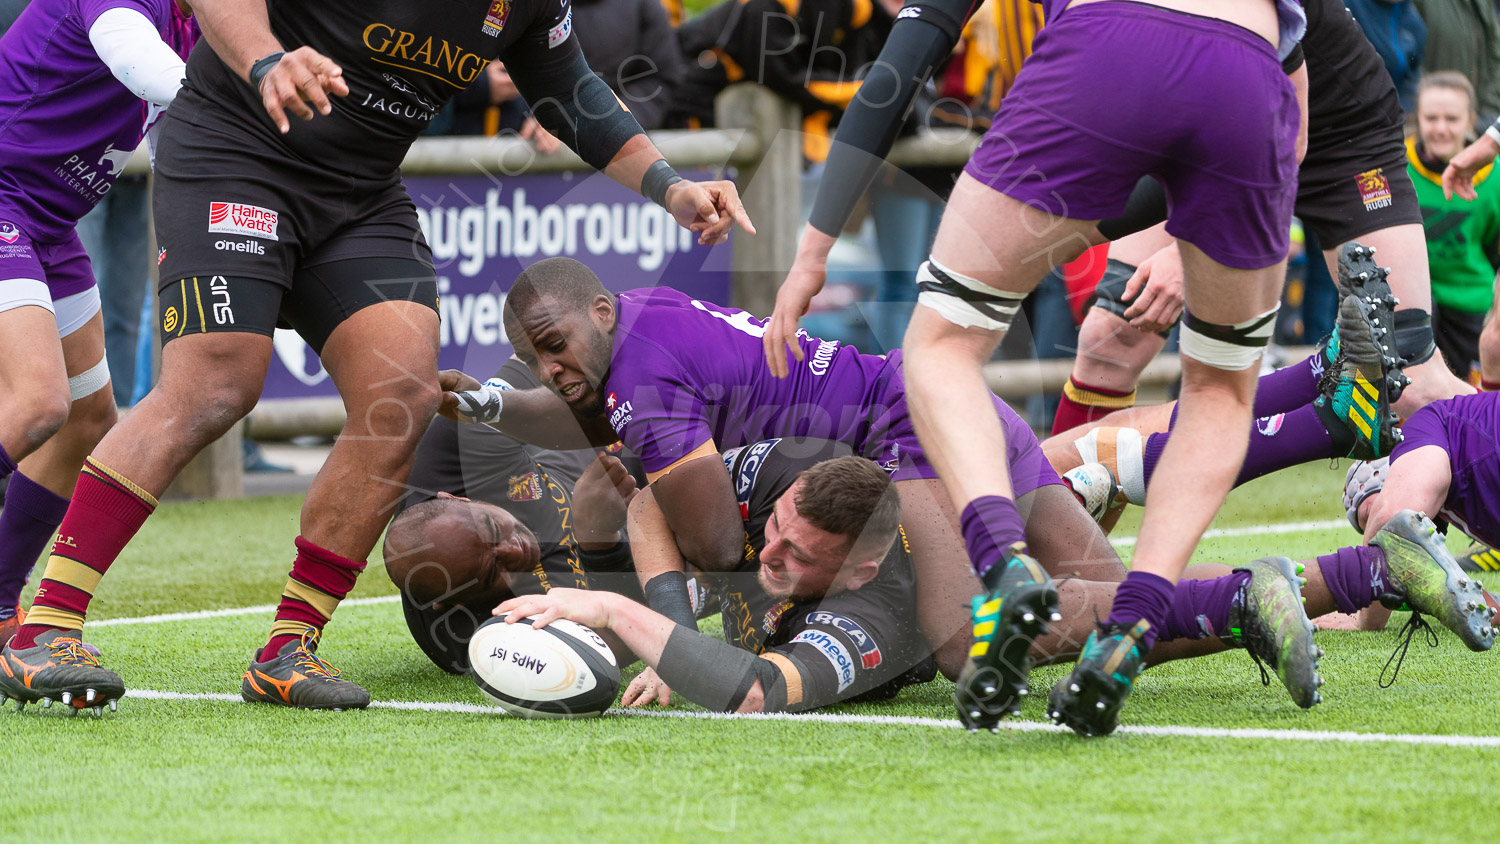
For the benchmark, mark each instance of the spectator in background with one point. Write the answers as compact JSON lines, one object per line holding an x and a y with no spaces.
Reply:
{"x":1464,"y":35}
{"x":117,"y":236}
{"x":628,"y":43}
{"x":1397,"y":31}
{"x":1463,"y":238}
{"x":9,"y":11}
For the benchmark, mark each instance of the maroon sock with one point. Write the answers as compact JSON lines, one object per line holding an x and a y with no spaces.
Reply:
{"x":106,"y":511}
{"x":318,"y":581}
{"x":1489,"y":386}
{"x":1082,"y":403}
{"x":1355,"y":576}
{"x":31,"y":515}
{"x":1201,"y":608}
{"x":1143,"y":595}
{"x":990,"y":525}
{"x":1289,"y":387}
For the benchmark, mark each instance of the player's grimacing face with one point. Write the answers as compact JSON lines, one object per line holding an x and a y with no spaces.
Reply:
{"x":800,"y":561}
{"x":1444,"y":120}
{"x":478,"y":545}
{"x":567,"y":351}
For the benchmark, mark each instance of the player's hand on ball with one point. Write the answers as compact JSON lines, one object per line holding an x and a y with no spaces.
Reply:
{"x":1156,"y":289}
{"x":300,"y":82}
{"x":591,"y":609}
{"x":708,"y":209}
{"x":645,"y":688}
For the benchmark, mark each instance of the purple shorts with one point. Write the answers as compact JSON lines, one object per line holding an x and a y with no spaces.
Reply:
{"x":1119,"y":90}
{"x":63,"y":266}
{"x":892,"y":442}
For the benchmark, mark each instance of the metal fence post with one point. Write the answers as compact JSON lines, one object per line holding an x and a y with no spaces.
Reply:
{"x":772,"y":190}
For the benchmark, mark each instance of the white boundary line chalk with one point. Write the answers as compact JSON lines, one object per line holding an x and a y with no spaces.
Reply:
{"x":1338,"y":737}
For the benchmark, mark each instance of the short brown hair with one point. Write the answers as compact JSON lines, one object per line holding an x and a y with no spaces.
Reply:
{"x":1453,"y":81}
{"x":850,"y":497}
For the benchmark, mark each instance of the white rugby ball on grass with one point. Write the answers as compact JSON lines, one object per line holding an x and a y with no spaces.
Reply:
{"x":563,"y":670}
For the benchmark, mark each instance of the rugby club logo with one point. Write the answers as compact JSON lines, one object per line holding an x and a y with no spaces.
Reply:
{"x":1374,"y":189}
{"x":525,"y":487}
{"x":8,"y":232}
{"x":236,"y":218}
{"x":494,"y":19}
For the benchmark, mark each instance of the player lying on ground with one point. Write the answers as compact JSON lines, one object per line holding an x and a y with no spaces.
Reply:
{"x":815,"y":531}
{"x":677,"y":380}
{"x":487,"y":517}
{"x":1351,"y":184}
{"x":71,"y":113}
{"x":309,"y":225}
{"x":1448,"y":465}
{"x":1300,"y":417}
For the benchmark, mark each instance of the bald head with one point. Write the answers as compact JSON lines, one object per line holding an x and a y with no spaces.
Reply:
{"x":452,"y":551}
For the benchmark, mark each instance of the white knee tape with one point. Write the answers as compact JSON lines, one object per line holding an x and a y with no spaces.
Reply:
{"x":963,"y":301}
{"x":1230,"y":347}
{"x":90,"y":381}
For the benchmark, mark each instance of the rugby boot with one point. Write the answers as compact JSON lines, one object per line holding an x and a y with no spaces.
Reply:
{"x":1478,"y":558}
{"x":9,"y":626}
{"x":1268,"y":620}
{"x":58,"y":668}
{"x":298,"y":677}
{"x":1090,"y":699}
{"x":1425,"y":577}
{"x":1019,"y":599}
{"x":1367,"y":377}
{"x":1095,"y":487}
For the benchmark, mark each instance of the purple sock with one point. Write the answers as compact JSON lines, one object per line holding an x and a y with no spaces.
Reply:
{"x":1151,"y":453}
{"x":990,"y":524}
{"x":1200,"y":608}
{"x":31,"y":514}
{"x":1143,"y":595}
{"x":1287,"y":439}
{"x":1289,"y":387}
{"x":1356,"y":576}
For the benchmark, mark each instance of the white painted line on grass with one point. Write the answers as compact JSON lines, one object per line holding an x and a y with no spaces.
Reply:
{"x":1289,"y":527}
{"x":1338,"y":737}
{"x":194,"y":616}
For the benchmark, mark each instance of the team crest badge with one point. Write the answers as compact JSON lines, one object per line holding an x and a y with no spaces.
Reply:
{"x":1374,"y":189}
{"x":525,"y":487}
{"x":8,"y":232}
{"x":773,"y":616}
{"x":494,"y":19}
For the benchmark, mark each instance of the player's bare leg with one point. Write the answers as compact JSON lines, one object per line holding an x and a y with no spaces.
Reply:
{"x":208,"y":383}
{"x":383,"y":359}
{"x":1404,"y":250}
{"x":1215,"y":413}
{"x":33,"y":382}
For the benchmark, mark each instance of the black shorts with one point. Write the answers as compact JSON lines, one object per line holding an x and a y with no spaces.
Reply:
{"x":1355,"y":188}
{"x":317,"y":301}
{"x":226,"y":205}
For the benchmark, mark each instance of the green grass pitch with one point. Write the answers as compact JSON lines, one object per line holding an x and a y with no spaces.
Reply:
{"x":195,"y":769}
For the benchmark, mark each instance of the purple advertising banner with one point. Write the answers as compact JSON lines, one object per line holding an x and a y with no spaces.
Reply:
{"x":484,"y":230}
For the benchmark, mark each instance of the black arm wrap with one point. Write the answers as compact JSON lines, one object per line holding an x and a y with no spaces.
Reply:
{"x":614,"y":559}
{"x":578,"y":107}
{"x":711,"y":673}
{"x":667,"y":593}
{"x":1146,"y":207}
{"x":262,"y":67}
{"x":659,"y":176}
{"x":1295,"y":59}
{"x":873,"y":120}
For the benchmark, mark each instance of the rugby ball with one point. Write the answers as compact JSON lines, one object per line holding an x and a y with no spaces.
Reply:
{"x":563,"y":670}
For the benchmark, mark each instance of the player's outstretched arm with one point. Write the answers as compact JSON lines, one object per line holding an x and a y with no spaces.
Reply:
{"x":536,"y":416}
{"x":922,"y":38}
{"x":1459,"y":176}
{"x":298,"y":81}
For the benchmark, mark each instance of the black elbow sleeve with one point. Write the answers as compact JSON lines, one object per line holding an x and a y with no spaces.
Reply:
{"x":580,"y":109}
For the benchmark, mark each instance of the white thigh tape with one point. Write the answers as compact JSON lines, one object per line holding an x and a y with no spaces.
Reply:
{"x":90,"y":381}
{"x":966,"y":302}
{"x":1230,"y":347}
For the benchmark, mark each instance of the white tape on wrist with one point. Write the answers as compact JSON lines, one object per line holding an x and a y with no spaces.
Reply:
{"x":1493,"y":133}
{"x":484,"y":404}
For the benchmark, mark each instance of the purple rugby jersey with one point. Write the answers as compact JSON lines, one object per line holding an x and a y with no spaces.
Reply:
{"x":685,"y":372}
{"x":67,"y":125}
{"x":1468,"y":428}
